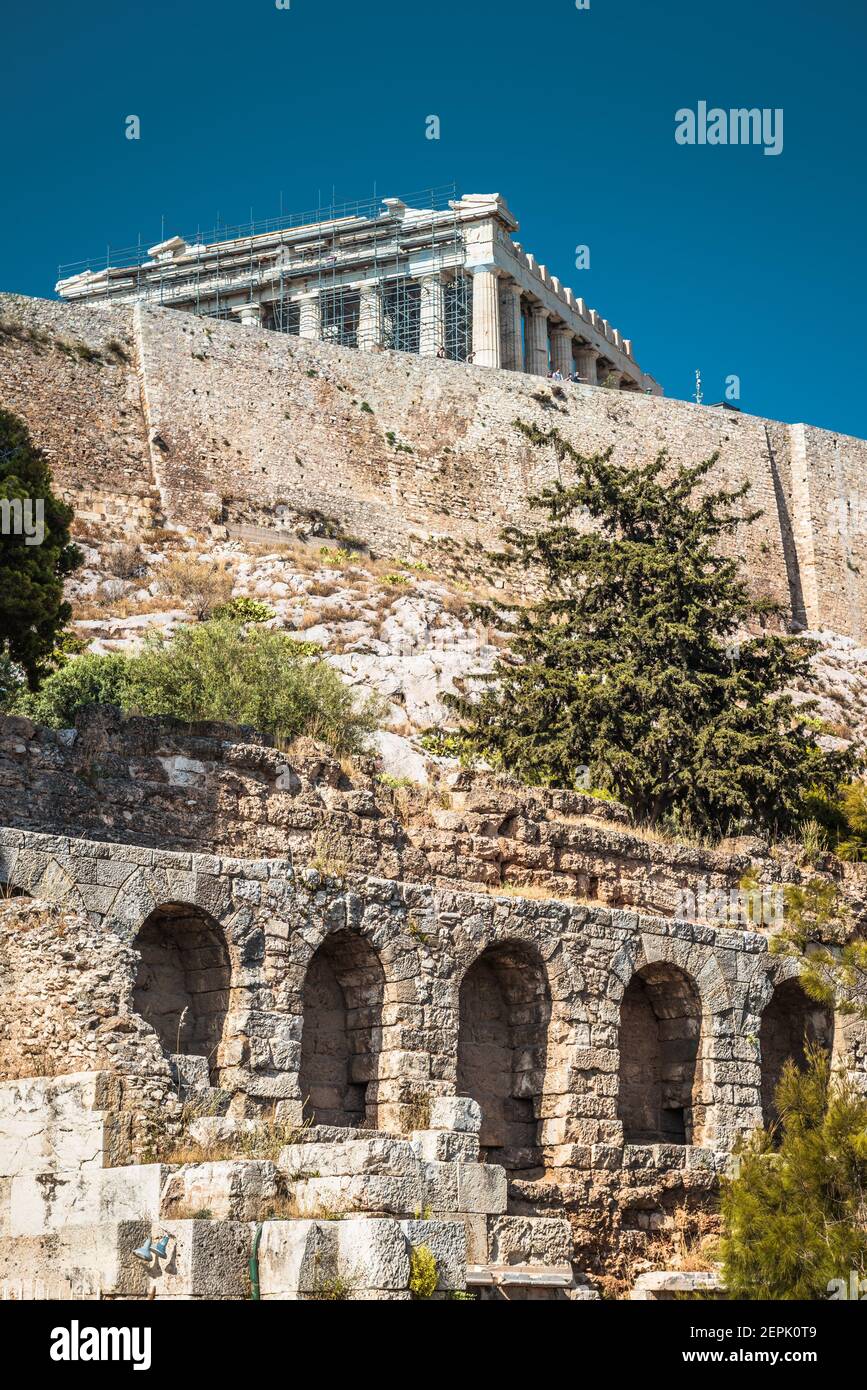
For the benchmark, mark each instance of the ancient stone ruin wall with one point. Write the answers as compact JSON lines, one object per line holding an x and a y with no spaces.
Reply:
{"x":615,"y":1054}
{"x":158,"y":783}
{"x":211,"y":421}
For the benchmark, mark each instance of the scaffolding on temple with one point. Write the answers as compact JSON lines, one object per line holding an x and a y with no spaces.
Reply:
{"x":389,"y":309}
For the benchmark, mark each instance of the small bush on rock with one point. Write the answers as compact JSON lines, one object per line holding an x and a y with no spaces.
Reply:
{"x":216,"y":670}
{"x":423,"y":1275}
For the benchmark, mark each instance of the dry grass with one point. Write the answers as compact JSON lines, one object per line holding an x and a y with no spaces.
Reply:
{"x":104,"y":607}
{"x":690,"y":1243}
{"x":125,"y":560}
{"x":265,"y":1140}
{"x":201,"y":584}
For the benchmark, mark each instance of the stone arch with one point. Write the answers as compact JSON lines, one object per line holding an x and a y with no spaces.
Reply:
{"x":183,"y":981}
{"x":341,"y":1034}
{"x":791,"y":1022}
{"x":661,"y":1073}
{"x":504,"y":1009}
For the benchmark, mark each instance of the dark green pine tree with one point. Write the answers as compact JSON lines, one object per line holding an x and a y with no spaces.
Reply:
{"x":625,"y":673}
{"x":793,"y":1217}
{"x":33,"y":613}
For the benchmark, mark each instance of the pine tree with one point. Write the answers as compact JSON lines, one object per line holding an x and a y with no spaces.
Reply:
{"x":625,"y":673}
{"x":33,"y":613}
{"x":794,"y":1216}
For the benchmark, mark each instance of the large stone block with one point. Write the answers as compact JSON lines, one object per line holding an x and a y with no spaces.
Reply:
{"x":205,"y":1260}
{"x":447,"y":1242}
{"x":232,"y":1190}
{"x":55,"y":1122}
{"x":321,"y":1197}
{"x":40,"y":1203}
{"x":482,"y":1187}
{"x":384,"y":1157}
{"x":297,"y":1258}
{"x":529,"y":1240}
{"x":78,"y":1262}
{"x":373,"y":1254}
{"x":445,"y":1146}
{"x":455,"y":1112}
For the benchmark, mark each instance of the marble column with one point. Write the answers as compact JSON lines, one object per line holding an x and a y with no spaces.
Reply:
{"x":249,"y":314}
{"x":311,"y":316}
{"x":609,"y":376}
{"x":369,"y":317}
{"x":511,"y":323}
{"x":432,"y":320}
{"x":537,"y":347}
{"x":586,"y":360}
{"x":561,"y":349}
{"x":486,"y":317}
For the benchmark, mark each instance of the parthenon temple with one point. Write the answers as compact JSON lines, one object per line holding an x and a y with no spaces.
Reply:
{"x":448,"y":281}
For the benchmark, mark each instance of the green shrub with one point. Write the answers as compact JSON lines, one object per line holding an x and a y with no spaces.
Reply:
{"x":245,"y":610}
{"x":793,"y":1218}
{"x":423,"y":1276}
{"x":88,"y":680}
{"x":217,"y":670}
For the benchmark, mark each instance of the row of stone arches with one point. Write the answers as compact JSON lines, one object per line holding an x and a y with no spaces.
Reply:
{"x":504,"y":1018}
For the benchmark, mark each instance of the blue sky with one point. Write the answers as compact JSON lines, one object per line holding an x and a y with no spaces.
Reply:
{"x":721,"y":258}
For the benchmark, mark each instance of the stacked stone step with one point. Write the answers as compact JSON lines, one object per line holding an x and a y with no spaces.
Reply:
{"x":344,"y":1209}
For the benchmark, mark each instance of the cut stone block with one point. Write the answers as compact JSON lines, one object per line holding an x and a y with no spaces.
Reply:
{"x":665,"y":1284}
{"x":232,"y":1190}
{"x":205,"y":1259}
{"x":482,"y":1187}
{"x":529,"y":1240}
{"x":447,"y":1242}
{"x":319,"y":1197}
{"x":55,"y":1122}
{"x":40,"y":1203}
{"x":296,"y":1258}
{"x":439,"y":1183}
{"x":373,"y":1254}
{"x":445,"y":1146}
{"x":189,"y":1073}
{"x":385,"y":1157}
{"x":80,"y":1262}
{"x":455,"y":1112}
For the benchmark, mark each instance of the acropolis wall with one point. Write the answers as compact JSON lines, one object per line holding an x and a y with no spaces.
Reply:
{"x":206,"y":422}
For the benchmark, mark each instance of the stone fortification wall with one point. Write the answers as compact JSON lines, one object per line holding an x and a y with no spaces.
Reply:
{"x":209,"y":421}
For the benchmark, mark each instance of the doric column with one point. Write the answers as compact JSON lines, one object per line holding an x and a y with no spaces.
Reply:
{"x":586,"y":359}
{"x":311,"y":316}
{"x":486,"y":317}
{"x":609,"y":375}
{"x":561,"y":349}
{"x":249,"y":314}
{"x":510,"y":309}
{"x":370,"y":317}
{"x":537,"y":347}
{"x":432,"y":318}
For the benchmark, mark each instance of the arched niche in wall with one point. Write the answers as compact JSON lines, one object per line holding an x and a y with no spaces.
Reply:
{"x":504,"y":1012}
{"x":183,"y":981}
{"x":790,"y":1023}
{"x":660,"y":1058}
{"x":341,"y":1036}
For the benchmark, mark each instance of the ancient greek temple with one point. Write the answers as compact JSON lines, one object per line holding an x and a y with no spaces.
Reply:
{"x":446,"y":280}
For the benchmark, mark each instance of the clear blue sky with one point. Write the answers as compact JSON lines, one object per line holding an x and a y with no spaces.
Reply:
{"x":721,"y":258}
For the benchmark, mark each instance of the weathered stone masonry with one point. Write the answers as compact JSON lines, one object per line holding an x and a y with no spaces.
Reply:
{"x":207,"y":422}
{"x":615,"y":1055}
